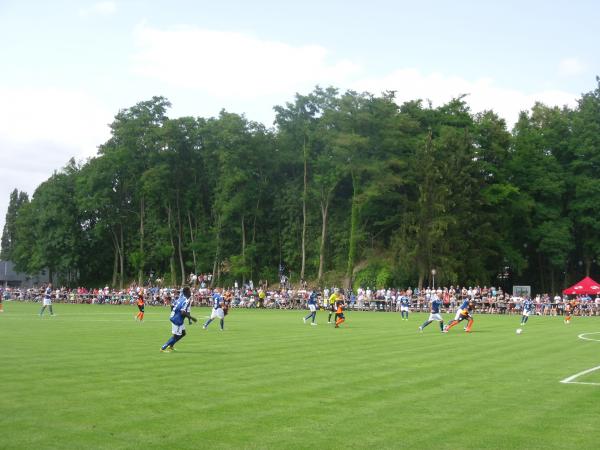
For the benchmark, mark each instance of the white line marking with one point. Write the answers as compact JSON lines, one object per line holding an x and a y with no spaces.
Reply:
{"x":582,"y":336}
{"x":569,"y":380}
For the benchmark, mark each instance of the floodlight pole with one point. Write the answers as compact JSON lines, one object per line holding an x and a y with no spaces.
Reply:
{"x":433,"y":272}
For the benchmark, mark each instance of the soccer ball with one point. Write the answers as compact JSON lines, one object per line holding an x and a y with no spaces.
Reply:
{"x":519,"y":330}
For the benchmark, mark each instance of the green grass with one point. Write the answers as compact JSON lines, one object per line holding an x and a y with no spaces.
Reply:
{"x":92,"y":377}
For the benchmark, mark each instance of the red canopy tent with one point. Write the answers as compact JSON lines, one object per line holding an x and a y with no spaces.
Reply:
{"x":585,"y":286}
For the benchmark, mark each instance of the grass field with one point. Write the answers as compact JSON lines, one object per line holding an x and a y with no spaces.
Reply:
{"x":92,"y":377}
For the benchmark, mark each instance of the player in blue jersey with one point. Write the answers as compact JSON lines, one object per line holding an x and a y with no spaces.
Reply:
{"x":47,"y":301}
{"x":463,"y":313}
{"x":404,"y":306}
{"x":312,"y":306}
{"x":217,"y":311}
{"x":435,"y":313}
{"x":527,"y":309}
{"x":180,"y":312}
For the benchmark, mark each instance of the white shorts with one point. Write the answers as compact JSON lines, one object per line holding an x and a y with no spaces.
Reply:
{"x":312,"y":308}
{"x":217,"y":313}
{"x":436,"y":316}
{"x":404,"y":308}
{"x":458,"y":314}
{"x":526,"y":313}
{"x":177,"y":329}
{"x":47,"y":302}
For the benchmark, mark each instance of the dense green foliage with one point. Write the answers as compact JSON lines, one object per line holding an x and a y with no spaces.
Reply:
{"x":92,"y":377}
{"x":343,"y":184}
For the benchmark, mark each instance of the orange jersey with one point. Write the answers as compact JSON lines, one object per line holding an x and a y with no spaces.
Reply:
{"x":340,"y":310}
{"x":140,"y":300}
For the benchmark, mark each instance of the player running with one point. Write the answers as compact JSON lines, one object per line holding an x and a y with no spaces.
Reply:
{"x":217,"y":311}
{"x":140,"y":304}
{"x":435,"y":313}
{"x":339,"y":313}
{"x":527,"y":309}
{"x":312,"y":306}
{"x":180,"y":311}
{"x":463,"y":313}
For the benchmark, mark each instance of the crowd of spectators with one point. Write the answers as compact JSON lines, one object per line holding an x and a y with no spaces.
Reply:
{"x":487,"y":300}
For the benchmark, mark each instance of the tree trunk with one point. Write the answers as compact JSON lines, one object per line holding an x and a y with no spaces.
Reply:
{"x":172,"y":257}
{"x":180,"y":241}
{"x":353,"y":231}
{"x":304,"y":194}
{"x":324,"y":213}
{"x":141,"y":262}
{"x":122,"y":258}
{"x":216,"y":264}
{"x":588,"y":266}
{"x":243,"y":250}
{"x":193,"y":242}
{"x":254,"y":237}
{"x":116,"y":259}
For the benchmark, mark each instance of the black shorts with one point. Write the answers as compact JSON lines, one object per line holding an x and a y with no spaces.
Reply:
{"x":467,"y":317}
{"x":141,"y":308}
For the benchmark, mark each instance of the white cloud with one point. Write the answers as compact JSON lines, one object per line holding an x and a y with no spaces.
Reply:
{"x":69,"y":118}
{"x":40,"y":130}
{"x":571,"y":67}
{"x":229,"y":64}
{"x":483,"y":93}
{"x":100,"y":8}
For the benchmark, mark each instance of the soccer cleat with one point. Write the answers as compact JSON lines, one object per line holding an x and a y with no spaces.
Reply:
{"x":420,"y":329}
{"x":171,"y":348}
{"x":314,"y":324}
{"x":304,"y":319}
{"x":165,"y":350}
{"x":204,"y":327}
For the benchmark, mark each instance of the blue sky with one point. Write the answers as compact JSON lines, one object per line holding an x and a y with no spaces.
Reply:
{"x":69,"y":66}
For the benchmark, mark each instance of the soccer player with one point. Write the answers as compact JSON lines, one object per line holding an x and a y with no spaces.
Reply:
{"x":404,"y":304}
{"x":527,"y":309}
{"x":47,"y":300}
{"x":463,"y":313}
{"x":1,"y":299}
{"x":140,"y":304}
{"x":568,"y":311}
{"x":312,"y":306}
{"x":217,"y":311}
{"x":333,"y":299}
{"x":180,"y":311}
{"x":435,"y":310}
{"x":339,"y":313}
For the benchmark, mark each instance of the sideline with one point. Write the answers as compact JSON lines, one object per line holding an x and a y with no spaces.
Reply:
{"x":569,"y":380}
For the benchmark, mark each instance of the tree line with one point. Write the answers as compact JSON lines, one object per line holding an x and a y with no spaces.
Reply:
{"x":347,"y":188}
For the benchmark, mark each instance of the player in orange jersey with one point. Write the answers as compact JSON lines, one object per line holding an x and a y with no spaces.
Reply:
{"x":339,"y":313}
{"x":568,"y":311}
{"x":140,"y":304}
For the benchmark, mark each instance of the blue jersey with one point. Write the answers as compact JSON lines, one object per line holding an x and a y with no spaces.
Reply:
{"x":181,"y":306}
{"x":404,"y":301}
{"x":528,"y":305}
{"x":217,"y":301}
{"x":48,"y":293}
{"x":465,"y":305}
{"x":436,"y":306}
{"x":312,"y":300}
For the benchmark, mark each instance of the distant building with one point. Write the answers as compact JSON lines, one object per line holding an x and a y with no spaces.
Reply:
{"x":12,"y":278}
